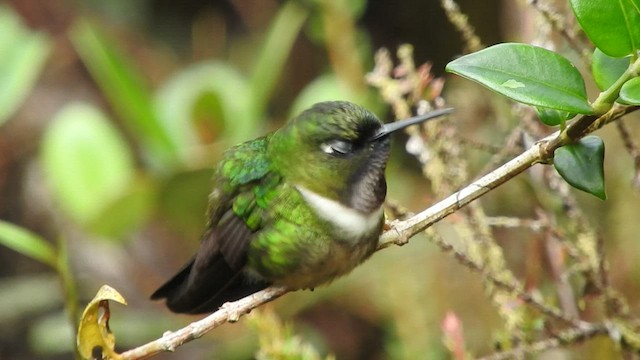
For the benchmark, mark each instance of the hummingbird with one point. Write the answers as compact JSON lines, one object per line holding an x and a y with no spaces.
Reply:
{"x":298,"y":208}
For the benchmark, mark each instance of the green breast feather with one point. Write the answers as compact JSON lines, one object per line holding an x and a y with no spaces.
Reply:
{"x":284,"y":228}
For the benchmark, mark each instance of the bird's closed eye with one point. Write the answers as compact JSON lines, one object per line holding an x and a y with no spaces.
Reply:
{"x":337,"y":147}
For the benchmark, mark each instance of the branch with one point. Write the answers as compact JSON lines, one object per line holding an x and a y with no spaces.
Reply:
{"x":570,"y":336}
{"x":398,"y":234}
{"x":461,"y":22}
{"x":510,"y":286}
{"x":229,"y":312}
{"x":401,"y":231}
{"x":632,"y":149}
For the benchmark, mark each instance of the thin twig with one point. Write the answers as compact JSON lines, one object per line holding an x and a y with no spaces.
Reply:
{"x":461,"y":22}
{"x":558,"y":268}
{"x":632,"y":149}
{"x":512,"y":287}
{"x":570,"y":336}
{"x":557,"y":21}
{"x":514,"y":222}
{"x":510,"y":148}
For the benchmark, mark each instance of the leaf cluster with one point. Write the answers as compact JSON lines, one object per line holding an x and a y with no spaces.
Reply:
{"x":549,"y":82}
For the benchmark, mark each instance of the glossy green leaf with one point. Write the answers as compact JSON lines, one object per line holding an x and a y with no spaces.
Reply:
{"x":24,"y":53}
{"x":606,"y":69}
{"x":581,"y":165}
{"x":630,"y":92}
{"x":612,"y":25}
{"x":527,"y":74}
{"x":126,"y":91}
{"x":86,"y":161}
{"x":27,"y":243}
{"x":552,"y":117}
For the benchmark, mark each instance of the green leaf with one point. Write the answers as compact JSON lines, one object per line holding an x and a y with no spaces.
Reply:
{"x":51,"y":333}
{"x":630,"y":92}
{"x":315,"y":27}
{"x":27,"y":243}
{"x":553,"y":117}
{"x":606,"y":69}
{"x":277,"y":46}
{"x":124,"y":87}
{"x":329,"y":87}
{"x":581,"y":165}
{"x":24,"y":53}
{"x":128,"y":211}
{"x":612,"y":25}
{"x":29,"y":295}
{"x":86,"y":161}
{"x":229,"y":102}
{"x":527,"y":74}
{"x":181,"y":197}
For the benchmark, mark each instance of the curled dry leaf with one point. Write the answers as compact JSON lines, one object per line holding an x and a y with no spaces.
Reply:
{"x":95,"y":339}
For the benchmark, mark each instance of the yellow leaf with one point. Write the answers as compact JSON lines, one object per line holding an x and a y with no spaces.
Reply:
{"x":95,"y":339}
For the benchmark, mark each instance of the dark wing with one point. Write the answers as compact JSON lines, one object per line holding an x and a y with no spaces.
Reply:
{"x":215,"y":274}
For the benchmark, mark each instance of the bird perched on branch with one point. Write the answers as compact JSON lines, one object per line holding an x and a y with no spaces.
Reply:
{"x":296,"y":208}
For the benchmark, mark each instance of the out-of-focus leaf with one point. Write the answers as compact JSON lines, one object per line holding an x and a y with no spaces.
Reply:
{"x":24,"y":296}
{"x":630,"y":92}
{"x":27,"y":243}
{"x":52,"y":334}
{"x":581,"y":165}
{"x":86,"y":162}
{"x":124,"y":87}
{"x":126,"y":212}
{"x":315,"y":28}
{"x":552,"y":117}
{"x":184,"y":195}
{"x":606,"y":69}
{"x":613,"y":26}
{"x":94,"y":333}
{"x":354,"y":8}
{"x":527,"y":74}
{"x":231,"y":101}
{"x":136,"y":326}
{"x":326,"y":88}
{"x":23,"y":56}
{"x":277,"y":46}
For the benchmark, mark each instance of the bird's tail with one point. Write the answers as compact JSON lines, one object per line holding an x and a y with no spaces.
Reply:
{"x":204,"y":291}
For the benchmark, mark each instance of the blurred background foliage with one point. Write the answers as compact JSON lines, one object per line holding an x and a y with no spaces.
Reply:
{"x":113,"y":114}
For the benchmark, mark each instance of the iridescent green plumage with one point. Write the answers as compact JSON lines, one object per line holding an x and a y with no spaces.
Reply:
{"x":297,"y":208}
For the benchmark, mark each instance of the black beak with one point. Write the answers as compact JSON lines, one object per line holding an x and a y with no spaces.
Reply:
{"x":395,"y":126}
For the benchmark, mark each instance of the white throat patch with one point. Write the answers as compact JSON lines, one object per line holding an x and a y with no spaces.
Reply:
{"x":352,"y":222}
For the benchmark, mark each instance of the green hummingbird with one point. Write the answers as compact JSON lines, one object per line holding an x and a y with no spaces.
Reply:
{"x":296,"y":208}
